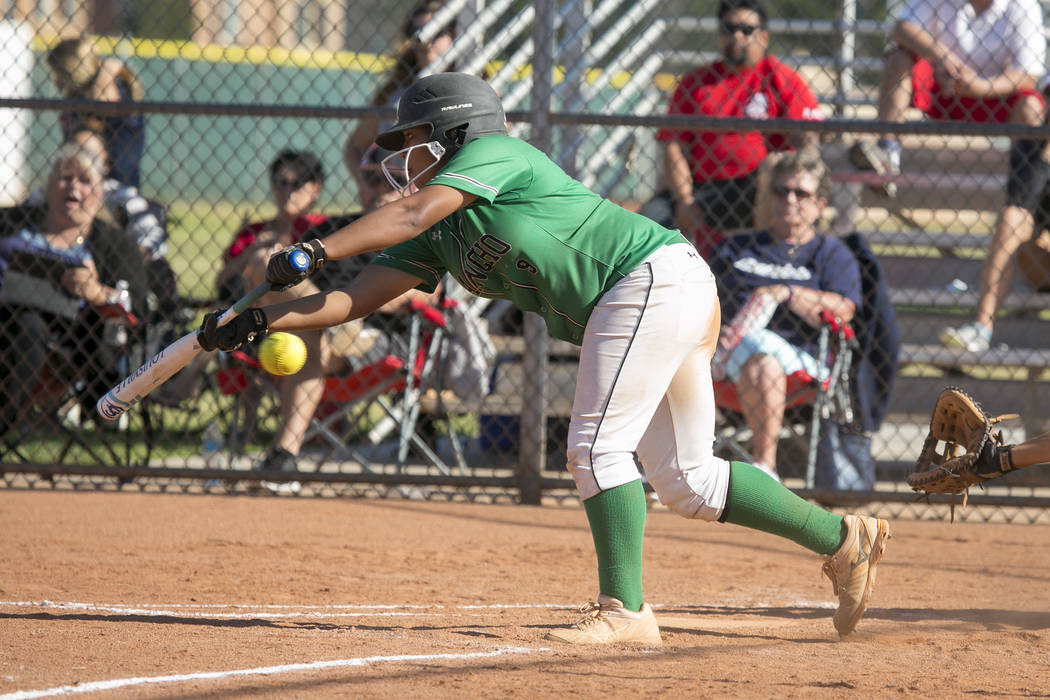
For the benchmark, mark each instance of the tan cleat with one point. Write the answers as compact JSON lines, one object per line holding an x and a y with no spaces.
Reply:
{"x":852,"y":568}
{"x":608,"y":622}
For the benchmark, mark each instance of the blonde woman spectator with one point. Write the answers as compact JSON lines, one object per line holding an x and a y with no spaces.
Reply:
{"x":61,"y":263}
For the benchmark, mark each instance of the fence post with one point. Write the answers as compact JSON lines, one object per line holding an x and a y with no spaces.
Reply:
{"x":576,"y":28}
{"x":847,"y":26}
{"x":532,"y":455}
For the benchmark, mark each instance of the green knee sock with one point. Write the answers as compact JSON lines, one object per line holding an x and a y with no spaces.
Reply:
{"x":760,"y":503}
{"x":617,"y":519}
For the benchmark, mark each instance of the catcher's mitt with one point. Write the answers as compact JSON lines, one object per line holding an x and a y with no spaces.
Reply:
{"x":959,"y":422}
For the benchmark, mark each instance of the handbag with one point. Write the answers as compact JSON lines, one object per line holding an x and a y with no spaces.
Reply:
{"x":844,"y":459}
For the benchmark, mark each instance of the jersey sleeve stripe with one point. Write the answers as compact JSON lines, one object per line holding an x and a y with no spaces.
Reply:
{"x":418,"y":268}
{"x":471,"y":180}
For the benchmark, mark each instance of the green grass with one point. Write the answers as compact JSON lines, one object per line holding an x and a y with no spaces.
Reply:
{"x":198,"y":234}
{"x":175,"y":432}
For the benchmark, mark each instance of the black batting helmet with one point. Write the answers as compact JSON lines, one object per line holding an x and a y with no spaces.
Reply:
{"x":458,"y":108}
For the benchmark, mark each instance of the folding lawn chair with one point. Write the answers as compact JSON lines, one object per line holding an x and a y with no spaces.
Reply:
{"x":395,"y":385}
{"x":376,"y":399}
{"x":809,"y":399}
{"x":60,"y":391}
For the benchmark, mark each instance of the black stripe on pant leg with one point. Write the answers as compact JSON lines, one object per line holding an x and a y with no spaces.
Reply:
{"x":612,"y":388}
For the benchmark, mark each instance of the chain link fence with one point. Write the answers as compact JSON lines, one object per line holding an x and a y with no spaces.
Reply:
{"x":222,"y":128}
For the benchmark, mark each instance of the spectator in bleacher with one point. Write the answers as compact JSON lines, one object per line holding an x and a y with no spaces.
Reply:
{"x":80,"y":74}
{"x":141,"y":219}
{"x":60,"y":262}
{"x":802,"y":271}
{"x":1021,"y":237}
{"x":977,"y":61}
{"x":961,"y":60}
{"x":410,"y":57}
{"x":296,"y":181}
{"x":710,"y":177}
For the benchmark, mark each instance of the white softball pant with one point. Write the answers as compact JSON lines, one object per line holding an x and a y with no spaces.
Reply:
{"x":644,"y":386}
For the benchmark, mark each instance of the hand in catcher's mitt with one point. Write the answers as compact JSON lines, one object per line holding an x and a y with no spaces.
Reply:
{"x":959,"y":422}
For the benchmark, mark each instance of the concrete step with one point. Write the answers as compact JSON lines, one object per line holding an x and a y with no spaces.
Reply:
{"x":1016,"y":332}
{"x":948,"y":281}
{"x":914,"y":397}
{"x":942,"y":191}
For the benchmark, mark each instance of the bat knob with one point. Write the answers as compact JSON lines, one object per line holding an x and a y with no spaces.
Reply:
{"x":299,"y":260}
{"x":110,"y":407}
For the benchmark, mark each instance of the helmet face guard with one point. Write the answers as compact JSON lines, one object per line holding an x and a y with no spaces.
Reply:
{"x":395,"y":166}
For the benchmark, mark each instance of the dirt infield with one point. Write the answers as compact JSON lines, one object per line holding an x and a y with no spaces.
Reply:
{"x":153,"y":595}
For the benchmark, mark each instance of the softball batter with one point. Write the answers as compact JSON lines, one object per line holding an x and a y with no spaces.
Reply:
{"x":508,"y":223}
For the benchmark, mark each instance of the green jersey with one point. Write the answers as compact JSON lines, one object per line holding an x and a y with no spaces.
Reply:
{"x":534,"y":236}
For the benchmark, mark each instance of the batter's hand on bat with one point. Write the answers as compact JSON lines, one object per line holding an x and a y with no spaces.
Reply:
{"x":240,"y":330}
{"x":295,"y":263}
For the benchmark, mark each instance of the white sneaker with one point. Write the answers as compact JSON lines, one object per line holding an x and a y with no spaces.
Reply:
{"x":608,"y":622}
{"x":282,"y":487}
{"x":973,"y":337}
{"x":880,"y":159}
{"x":852,"y":568}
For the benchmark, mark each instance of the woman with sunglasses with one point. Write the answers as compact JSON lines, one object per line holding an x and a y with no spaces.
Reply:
{"x":296,"y":181}
{"x":710,"y":177}
{"x":799,"y":271}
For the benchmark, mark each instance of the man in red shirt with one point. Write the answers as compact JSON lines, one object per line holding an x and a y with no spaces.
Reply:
{"x":710,"y":176}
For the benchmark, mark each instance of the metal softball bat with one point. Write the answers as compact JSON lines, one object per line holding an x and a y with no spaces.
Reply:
{"x":160,"y":368}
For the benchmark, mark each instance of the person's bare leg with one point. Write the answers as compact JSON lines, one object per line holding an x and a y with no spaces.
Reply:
{"x":895,"y":85}
{"x":301,"y":394}
{"x":763,"y":393}
{"x":184,"y":384}
{"x":884,"y":158}
{"x":1014,"y":226}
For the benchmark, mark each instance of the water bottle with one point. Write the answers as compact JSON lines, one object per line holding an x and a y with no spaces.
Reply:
{"x":211,"y":445}
{"x":115,"y":330}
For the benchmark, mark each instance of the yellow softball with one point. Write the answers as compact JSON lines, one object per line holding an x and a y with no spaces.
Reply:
{"x":282,"y":354}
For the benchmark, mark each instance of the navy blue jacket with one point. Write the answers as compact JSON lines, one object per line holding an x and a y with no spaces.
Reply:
{"x":875,"y":363}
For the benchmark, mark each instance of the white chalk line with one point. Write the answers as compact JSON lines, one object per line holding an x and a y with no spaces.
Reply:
{"x":322,"y":612}
{"x":270,"y":612}
{"x":98,"y":686}
{"x":389,"y":606}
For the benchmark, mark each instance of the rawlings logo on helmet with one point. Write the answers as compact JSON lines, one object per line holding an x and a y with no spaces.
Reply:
{"x":459,"y":106}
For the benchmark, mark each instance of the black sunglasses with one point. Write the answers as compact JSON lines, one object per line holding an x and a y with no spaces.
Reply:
{"x":730,"y":28}
{"x":800,"y":195}
{"x":286,"y":183}
{"x":415,"y":33}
